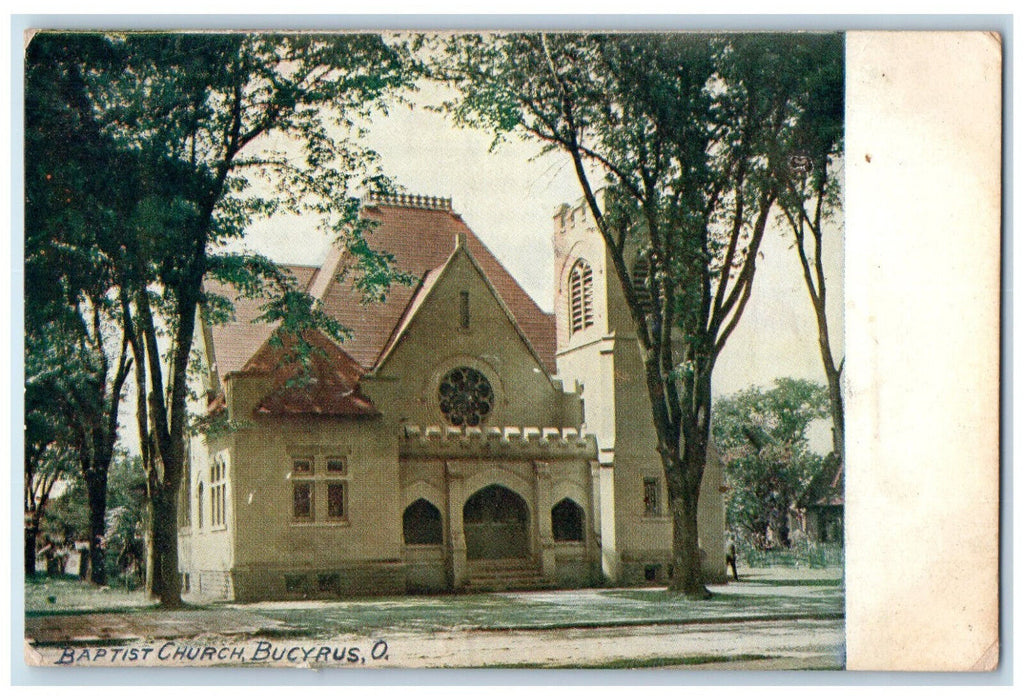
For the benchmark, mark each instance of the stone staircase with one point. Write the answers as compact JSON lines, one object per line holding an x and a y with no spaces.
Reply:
{"x":490,"y":575}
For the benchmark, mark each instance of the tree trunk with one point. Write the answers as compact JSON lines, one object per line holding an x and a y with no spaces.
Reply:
{"x":96,"y":485}
{"x":154,"y":578}
{"x":165,"y":548}
{"x":31,"y":535}
{"x":687,"y":577}
{"x":152,"y":562}
{"x":684,"y":478}
{"x":835,"y":393}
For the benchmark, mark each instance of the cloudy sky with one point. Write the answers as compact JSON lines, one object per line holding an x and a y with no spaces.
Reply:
{"x":508,"y":197}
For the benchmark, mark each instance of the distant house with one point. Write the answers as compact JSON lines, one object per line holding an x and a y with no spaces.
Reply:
{"x":819,"y":511}
{"x":438,"y":449}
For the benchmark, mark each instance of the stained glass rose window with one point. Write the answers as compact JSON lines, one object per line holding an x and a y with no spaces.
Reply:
{"x":465,"y":396}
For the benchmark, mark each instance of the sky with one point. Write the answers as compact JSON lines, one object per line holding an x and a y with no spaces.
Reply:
{"x":508,"y":196}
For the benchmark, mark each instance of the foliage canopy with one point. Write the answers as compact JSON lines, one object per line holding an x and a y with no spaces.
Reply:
{"x":763,"y":435}
{"x":677,"y":141}
{"x":197,"y":136}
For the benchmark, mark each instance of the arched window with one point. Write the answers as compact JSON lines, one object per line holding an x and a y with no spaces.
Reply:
{"x":567,"y":521}
{"x":421,"y":523}
{"x":581,"y":296}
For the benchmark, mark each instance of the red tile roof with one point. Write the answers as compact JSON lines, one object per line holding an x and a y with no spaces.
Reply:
{"x":236,"y":341}
{"x":421,"y":238}
{"x":330,"y":388}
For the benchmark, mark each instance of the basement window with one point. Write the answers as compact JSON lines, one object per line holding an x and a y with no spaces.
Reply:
{"x":294,"y":583}
{"x":328,"y":583}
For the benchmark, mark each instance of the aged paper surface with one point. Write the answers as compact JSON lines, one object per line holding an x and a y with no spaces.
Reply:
{"x":922,"y":315}
{"x":922,"y":310}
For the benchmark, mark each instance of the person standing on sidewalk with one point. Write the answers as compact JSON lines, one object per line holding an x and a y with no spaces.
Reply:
{"x":730,"y":555}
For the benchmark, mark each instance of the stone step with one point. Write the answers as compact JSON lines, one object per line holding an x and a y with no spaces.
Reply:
{"x":505,"y":575}
{"x":488,"y":565}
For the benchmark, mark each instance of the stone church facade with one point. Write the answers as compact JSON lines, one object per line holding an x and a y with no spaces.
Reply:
{"x":462,"y":439}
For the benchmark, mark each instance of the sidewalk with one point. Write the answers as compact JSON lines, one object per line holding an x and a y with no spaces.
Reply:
{"x":746,"y":620}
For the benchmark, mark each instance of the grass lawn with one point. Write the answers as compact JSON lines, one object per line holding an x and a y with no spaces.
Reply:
{"x":761,"y":594}
{"x":64,"y":594}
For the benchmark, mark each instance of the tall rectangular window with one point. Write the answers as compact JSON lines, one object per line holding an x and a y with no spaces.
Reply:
{"x":336,"y":500}
{"x":652,"y":496}
{"x":302,"y":500}
{"x":199,"y":506}
{"x":184,"y":505}
{"x":218,"y":492}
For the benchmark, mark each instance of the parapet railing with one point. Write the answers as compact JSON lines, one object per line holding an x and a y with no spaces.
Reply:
{"x":510,"y":441}
{"x":420,"y":201}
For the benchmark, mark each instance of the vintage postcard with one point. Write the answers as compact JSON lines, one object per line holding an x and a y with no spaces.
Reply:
{"x":673,"y":350}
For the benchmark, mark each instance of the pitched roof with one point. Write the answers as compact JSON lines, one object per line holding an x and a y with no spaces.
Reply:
{"x":420,"y":295}
{"x":423,"y":292}
{"x":235,"y":342}
{"x":421,"y":234}
{"x":331,"y":387}
{"x":421,"y":239}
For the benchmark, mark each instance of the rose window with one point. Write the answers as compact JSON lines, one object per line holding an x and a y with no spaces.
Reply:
{"x":465,"y":396}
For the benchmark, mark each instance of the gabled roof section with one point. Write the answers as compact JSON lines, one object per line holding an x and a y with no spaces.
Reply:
{"x":331,"y":387}
{"x":420,"y":233}
{"x":235,"y":342}
{"x":424,"y":290}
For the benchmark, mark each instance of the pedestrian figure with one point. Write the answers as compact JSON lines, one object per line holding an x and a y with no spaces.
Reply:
{"x":730,"y":555}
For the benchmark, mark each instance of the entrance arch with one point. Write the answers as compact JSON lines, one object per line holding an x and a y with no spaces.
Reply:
{"x":496,"y":522}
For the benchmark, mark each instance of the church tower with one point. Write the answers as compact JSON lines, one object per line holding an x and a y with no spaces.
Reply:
{"x":597,"y":352}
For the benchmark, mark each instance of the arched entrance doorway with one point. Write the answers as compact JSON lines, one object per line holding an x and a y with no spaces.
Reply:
{"x":496,"y":522}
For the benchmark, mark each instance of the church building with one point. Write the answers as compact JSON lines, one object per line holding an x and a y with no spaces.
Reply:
{"x":461,"y":439}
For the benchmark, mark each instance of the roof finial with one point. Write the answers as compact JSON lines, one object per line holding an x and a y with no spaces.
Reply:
{"x":460,"y":240}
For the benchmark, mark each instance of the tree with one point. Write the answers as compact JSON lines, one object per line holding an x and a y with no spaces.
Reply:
{"x":763,"y":437}
{"x":219,"y":130}
{"x":76,"y":359}
{"x":810,"y":197}
{"x":687,"y":131}
{"x":126,"y":521}
{"x":45,"y":464}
